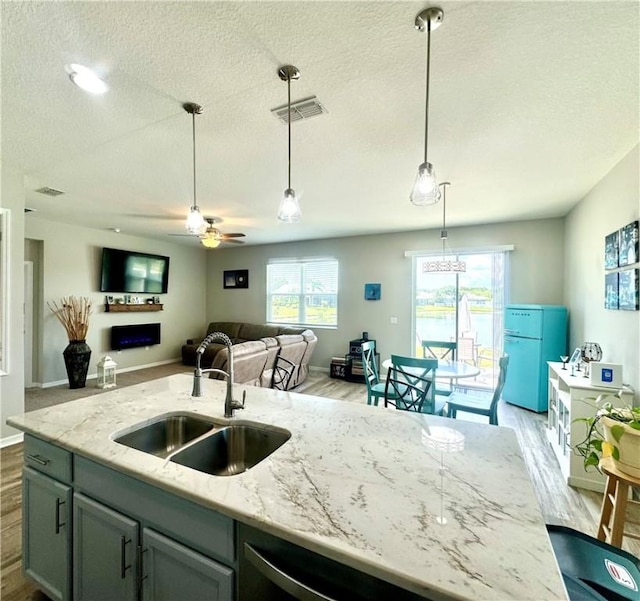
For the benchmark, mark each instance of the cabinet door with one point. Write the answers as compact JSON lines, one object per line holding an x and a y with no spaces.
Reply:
{"x":46,"y":534}
{"x":104,"y":553}
{"x":172,"y":571}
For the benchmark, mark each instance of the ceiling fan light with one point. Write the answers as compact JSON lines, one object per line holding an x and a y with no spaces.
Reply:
{"x":425,"y":189}
{"x":210,"y":241}
{"x":289,"y":210}
{"x":196,"y":223}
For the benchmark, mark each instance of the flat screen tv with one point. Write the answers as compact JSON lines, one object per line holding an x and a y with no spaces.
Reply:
{"x":134,"y":272}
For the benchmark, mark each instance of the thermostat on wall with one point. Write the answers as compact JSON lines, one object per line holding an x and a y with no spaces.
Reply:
{"x":606,"y":374}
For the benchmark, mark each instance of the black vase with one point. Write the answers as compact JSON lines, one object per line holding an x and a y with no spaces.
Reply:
{"x":76,"y":360}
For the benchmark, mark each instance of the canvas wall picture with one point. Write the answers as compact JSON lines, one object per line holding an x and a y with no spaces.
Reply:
{"x":611,"y":290}
{"x":628,"y":297}
{"x":238,"y":278}
{"x":628,"y":244}
{"x":611,"y":250}
{"x":372,"y":291}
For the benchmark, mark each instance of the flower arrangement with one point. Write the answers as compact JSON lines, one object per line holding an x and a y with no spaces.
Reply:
{"x":616,"y":422}
{"x":73,"y":313}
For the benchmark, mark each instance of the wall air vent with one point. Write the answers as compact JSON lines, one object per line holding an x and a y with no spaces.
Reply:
{"x":301,"y":109}
{"x":49,"y":191}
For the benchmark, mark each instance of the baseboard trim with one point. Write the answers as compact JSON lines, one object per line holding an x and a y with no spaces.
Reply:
{"x":9,"y":441}
{"x":318,"y":368}
{"x":118,"y":371}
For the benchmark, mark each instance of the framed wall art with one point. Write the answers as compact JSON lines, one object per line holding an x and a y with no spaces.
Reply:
{"x":628,"y":297}
{"x":611,"y":250}
{"x":372,"y":291}
{"x":628,"y":244}
{"x":238,"y":278}
{"x":611,"y":290}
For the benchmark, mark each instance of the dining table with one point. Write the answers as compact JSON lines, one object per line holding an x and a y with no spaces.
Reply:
{"x":452,"y":370}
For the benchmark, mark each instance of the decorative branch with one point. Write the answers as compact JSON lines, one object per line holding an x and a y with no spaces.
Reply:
{"x":73,"y":313}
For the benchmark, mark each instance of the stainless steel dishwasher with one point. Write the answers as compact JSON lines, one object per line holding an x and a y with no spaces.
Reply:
{"x":273,"y":569}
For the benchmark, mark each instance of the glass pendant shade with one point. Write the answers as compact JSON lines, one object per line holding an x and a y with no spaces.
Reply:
{"x":289,"y":209}
{"x":425,"y":189}
{"x":195,"y":221}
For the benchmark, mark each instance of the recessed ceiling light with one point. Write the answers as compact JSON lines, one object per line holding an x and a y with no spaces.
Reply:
{"x":86,"y":79}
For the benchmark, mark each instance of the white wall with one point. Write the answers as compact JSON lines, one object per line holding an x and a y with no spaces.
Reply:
{"x":12,"y":385}
{"x":536,"y":277}
{"x":612,"y":204}
{"x":71,"y":266}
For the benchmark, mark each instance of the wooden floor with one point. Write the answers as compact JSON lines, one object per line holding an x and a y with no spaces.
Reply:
{"x":559,"y":503}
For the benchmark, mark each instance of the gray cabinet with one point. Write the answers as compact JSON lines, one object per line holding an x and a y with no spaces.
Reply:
{"x":172,"y":571}
{"x":46,"y":534}
{"x":105,"y":553}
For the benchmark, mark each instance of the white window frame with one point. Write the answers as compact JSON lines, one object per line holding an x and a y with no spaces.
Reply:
{"x":302,"y":294}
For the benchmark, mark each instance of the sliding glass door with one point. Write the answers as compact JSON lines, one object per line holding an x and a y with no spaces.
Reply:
{"x":467,"y":307}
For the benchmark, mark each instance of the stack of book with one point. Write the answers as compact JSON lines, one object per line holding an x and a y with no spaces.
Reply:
{"x":339,"y":367}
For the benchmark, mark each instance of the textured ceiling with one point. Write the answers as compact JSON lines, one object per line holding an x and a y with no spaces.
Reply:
{"x":532,"y":103}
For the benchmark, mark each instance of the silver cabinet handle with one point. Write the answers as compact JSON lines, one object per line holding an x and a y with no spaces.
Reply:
{"x":38,"y":459}
{"x":284,"y":581}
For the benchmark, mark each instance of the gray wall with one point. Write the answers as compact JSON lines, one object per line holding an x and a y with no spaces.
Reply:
{"x":536,"y":277}
{"x":71,"y":266}
{"x":12,"y":384}
{"x":612,"y":204}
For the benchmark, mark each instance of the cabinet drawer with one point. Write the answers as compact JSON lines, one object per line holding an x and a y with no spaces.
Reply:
{"x":200,"y":528}
{"x":48,"y":458}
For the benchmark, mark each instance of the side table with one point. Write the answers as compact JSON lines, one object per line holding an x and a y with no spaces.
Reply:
{"x":614,"y":504}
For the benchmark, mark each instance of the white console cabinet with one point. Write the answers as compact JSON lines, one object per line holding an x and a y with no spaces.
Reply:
{"x":570,"y":398}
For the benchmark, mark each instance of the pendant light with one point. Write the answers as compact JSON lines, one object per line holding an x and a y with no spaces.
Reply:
{"x":196,"y":223}
{"x":289,"y":209}
{"x":425,"y":189}
{"x":444,"y":265}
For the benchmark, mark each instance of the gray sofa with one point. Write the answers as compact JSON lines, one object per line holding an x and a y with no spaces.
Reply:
{"x":260,"y":352}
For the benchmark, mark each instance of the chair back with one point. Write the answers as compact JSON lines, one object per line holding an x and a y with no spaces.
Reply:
{"x":439,"y":349}
{"x":503,"y":362}
{"x":282,"y":373}
{"x":369,"y":366}
{"x":410,"y":384}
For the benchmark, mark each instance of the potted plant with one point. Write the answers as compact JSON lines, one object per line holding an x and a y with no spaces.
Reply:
{"x":73,"y":313}
{"x":614,"y":431}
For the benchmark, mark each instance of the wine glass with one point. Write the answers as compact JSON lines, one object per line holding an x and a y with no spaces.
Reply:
{"x":564,"y":359}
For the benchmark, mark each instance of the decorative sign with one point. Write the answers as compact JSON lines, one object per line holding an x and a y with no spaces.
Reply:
{"x":628,"y":289}
{"x":372,"y":291}
{"x":628,"y":245}
{"x":238,"y":278}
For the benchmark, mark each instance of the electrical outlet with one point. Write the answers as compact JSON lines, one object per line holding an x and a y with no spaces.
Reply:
{"x":394,"y":320}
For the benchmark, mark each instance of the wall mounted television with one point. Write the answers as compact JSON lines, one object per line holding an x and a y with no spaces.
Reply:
{"x":134,"y":272}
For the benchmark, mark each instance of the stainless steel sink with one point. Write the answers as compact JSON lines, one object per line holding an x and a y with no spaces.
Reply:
{"x":168,"y":434}
{"x":233,"y":449}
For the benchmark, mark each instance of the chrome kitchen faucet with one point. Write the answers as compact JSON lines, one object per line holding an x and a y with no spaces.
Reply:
{"x":229,"y":403}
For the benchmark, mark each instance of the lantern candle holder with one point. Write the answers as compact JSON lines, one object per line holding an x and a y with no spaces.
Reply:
{"x":107,"y":372}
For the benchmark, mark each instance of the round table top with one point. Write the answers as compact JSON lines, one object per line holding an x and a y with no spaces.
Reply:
{"x":448,"y":369}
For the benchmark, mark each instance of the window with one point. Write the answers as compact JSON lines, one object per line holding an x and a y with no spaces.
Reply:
{"x":303,"y":292}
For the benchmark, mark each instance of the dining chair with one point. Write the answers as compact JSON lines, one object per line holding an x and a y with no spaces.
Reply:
{"x":441,"y":349}
{"x":375,"y":388}
{"x":459,"y":401}
{"x":410,"y":385}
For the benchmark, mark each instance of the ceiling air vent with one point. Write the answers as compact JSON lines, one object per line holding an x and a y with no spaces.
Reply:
{"x":29,"y":210}
{"x":49,"y":191}
{"x":301,"y":109}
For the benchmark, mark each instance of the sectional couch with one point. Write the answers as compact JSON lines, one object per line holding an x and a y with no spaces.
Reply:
{"x":259,"y":353}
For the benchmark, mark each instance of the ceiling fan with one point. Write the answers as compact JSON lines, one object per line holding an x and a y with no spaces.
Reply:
{"x":212,"y":237}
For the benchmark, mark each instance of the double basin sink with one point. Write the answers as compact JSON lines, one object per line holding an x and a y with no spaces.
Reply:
{"x":211,"y":446}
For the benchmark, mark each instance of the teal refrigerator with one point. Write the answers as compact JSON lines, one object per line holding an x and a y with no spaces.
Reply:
{"x":533,"y":335}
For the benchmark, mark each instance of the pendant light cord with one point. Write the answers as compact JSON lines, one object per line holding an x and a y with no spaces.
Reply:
{"x":289,"y":123}
{"x":426,"y":115}
{"x":193,"y":120}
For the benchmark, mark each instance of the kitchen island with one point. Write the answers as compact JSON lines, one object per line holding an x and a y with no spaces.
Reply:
{"x":354,"y":483}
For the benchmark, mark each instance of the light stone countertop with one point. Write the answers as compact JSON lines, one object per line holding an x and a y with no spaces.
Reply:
{"x":356,"y":483}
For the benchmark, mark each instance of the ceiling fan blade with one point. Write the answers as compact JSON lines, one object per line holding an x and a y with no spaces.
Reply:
{"x":234,"y":235}
{"x":231,"y":241}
